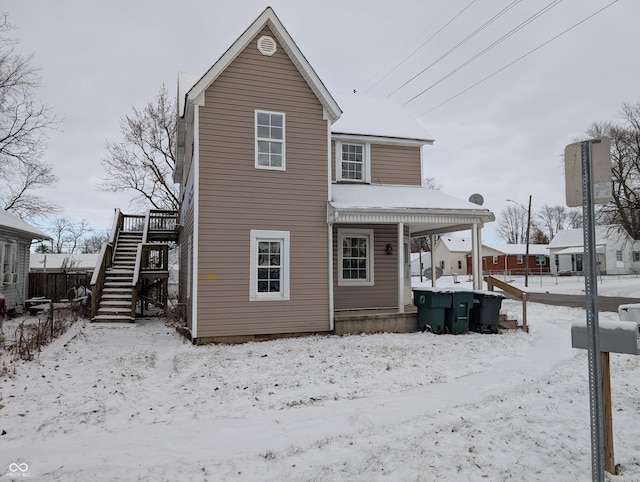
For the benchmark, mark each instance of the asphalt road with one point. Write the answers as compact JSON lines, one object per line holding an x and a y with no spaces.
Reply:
{"x":605,"y":303}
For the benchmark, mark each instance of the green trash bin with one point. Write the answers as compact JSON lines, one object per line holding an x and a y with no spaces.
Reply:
{"x":431,"y":309}
{"x":457,"y":317}
{"x":485,"y":314}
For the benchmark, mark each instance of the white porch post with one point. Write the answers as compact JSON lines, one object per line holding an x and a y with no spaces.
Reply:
{"x":432,"y":238}
{"x":400,"y":250}
{"x":476,"y":256}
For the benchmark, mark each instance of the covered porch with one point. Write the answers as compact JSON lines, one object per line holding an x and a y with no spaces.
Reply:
{"x":370,"y":231}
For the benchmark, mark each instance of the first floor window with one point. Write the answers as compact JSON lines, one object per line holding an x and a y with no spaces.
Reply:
{"x":519,"y":259}
{"x":636,"y":255}
{"x":495,"y":260}
{"x":269,"y":265}
{"x":618,"y":255}
{"x":8,"y":263}
{"x":355,"y":257}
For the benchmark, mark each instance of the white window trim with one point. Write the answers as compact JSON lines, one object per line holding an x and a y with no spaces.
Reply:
{"x":366,"y":161}
{"x":519,"y":259}
{"x":257,"y":235}
{"x":495,"y":260}
{"x":283,"y":142}
{"x":7,"y":249}
{"x":370,"y":249}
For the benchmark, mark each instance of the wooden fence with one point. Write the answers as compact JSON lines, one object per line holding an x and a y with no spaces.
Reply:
{"x":56,"y":286}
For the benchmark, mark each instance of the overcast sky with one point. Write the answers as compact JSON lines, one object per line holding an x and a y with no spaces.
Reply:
{"x":503,"y":138}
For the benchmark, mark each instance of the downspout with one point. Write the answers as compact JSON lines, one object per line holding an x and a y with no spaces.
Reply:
{"x":401,"y":267}
{"x":330,"y":228}
{"x":195,"y":166}
{"x":432,"y":238}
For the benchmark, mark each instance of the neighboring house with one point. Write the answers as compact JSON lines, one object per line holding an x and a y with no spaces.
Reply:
{"x":16,"y":237}
{"x":296,"y":203}
{"x":420,"y":262}
{"x":616,"y":252}
{"x":502,"y":258}
{"x":451,"y":253}
{"x":54,"y":275}
{"x":62,"y":262}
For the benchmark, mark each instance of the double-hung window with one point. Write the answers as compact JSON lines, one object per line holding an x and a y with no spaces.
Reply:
{"x":8,"y":263}
{"x":352,"y":162}
{"x":519,"y":259}
{"x":269,"y":279}
{"x":355,"y":257}
{"x":270,"y":147}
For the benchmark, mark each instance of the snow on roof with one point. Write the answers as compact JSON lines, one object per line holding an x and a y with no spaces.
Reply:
{"x":52,"y":261}
{"x":516,"y":249}
{"x":377,"y":116}
{"x":369,"y":196}
{"x":575,"y":237}
{"x":454,"y":244}
{"x":13,"y":222}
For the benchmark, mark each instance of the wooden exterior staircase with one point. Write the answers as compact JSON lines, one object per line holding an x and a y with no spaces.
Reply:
{"x":133,"y":268}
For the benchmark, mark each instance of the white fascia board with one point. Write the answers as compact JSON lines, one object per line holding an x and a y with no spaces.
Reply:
{"x":393,"y":141}
{"x":270,"y":19}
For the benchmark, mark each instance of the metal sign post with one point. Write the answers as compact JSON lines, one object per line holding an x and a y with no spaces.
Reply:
{"x":590,"y":161}
{"x":591,"y":289}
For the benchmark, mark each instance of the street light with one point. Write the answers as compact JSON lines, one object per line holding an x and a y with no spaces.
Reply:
{"x":526,"y":257}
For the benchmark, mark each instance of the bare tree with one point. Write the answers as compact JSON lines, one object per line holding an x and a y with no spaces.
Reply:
{"x":144,"y":160}
{"x":24,"y":122}
{"x":551,"y":219}
{"x":67,"y":235}
{"x":512,"y":224}
{"x":94,"y":242}
{"x":624,"y":209}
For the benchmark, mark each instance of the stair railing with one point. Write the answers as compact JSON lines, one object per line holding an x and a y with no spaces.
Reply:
{"x":105,"y":261}
{"x":493,"y":282}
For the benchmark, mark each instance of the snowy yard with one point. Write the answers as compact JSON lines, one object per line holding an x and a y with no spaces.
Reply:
{"x":137,"y":402}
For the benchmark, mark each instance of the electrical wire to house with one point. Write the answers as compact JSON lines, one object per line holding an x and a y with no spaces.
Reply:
{"x":417,"y":48}
{"x":482,"y":52}
{"x":461,"y":43}
{"x":517,"y":59}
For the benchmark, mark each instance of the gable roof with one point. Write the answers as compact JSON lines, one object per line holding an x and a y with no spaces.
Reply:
{"x":568,"y":238}
{"x":11,"y":222}
{"x":377,"y":117}
{"x":516,"y":249}
{"x":456,"y":245}
{"x":269,"y":19}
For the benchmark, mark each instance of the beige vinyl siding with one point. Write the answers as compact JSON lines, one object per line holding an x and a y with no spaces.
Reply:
{"x":236,"y":198}
{"x":390,"y":164}
{"x":384,"y":292}
{"x":183,"y":277}
{"x":395,"y":165}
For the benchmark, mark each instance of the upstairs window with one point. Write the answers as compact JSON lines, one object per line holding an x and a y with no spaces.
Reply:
{"x":270,"y":148}
{"x":352,"y":162}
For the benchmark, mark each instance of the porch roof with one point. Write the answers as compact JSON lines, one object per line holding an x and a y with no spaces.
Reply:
{"x":424,"y":210}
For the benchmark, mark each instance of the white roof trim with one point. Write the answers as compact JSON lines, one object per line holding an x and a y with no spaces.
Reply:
{"x":10,"y":223}
{"x":267,"y":18}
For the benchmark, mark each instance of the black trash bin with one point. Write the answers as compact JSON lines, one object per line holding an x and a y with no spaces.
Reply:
{"x":431,"y":309}
{"x":484,"y":315}
{"x":457,"y":317}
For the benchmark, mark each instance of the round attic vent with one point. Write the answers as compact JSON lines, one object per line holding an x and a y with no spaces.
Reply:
{"x":266,"y":45}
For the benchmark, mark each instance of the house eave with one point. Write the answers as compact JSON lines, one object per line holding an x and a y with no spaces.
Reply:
{"x":397,"y":141}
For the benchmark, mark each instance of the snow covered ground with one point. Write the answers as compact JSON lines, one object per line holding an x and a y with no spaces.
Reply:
{"x":137,"y":402}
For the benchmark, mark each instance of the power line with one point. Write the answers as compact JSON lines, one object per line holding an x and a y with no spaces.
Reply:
{"x":519,"y":58}
{"x":462,"y":42}
{"x":509,"y":34}
{"x":421,"y":45}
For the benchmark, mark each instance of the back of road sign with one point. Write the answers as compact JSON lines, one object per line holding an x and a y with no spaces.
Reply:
{"x":601,"y":161}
